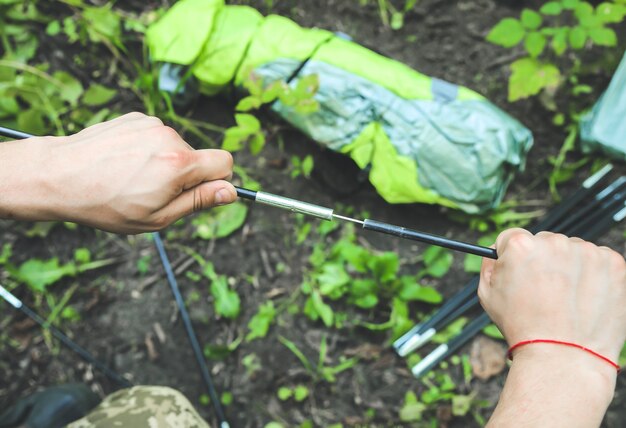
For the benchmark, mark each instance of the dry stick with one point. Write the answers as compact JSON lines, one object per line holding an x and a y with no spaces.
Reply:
{"x":610,"y":217}
{"x":404,"y":345}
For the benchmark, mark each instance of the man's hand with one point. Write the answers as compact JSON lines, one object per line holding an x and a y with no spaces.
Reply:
{"x":129,"y":175}
{"x":549,"y":286}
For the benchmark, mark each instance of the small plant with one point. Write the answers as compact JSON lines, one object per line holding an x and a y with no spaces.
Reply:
{"x":298,"y":393}
{"x":548,"y":34}
{"x":389,"y":14}
{"x":320,"y":371}
{"x":248,"y":130}
{"x":301,"y":166}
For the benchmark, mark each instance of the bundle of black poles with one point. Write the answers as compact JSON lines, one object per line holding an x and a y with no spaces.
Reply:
{"x":182,"y":308}
{"x":588,"y":213}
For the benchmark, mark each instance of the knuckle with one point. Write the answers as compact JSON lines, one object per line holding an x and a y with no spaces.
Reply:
{"x":167,"y":132}
{"x":520,"y":240}
{"x":616,"y":261}
{"x":134,"y":115}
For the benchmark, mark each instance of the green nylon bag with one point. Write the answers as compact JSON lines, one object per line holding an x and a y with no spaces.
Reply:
{"x":423,"y":139}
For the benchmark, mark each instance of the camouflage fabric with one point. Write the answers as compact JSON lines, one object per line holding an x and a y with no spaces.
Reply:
{"x":143,"y":406}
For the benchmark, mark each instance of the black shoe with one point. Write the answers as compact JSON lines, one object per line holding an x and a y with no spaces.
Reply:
{"x":53,"y":407}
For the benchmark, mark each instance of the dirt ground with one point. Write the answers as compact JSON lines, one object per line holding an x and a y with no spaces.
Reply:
{"x":123,"y":312}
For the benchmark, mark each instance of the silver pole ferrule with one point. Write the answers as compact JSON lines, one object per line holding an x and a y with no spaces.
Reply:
{"x":294,"y":205}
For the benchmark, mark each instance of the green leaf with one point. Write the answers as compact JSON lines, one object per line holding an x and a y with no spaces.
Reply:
{"x":584,"y":12}
{"x":234,"y":138}
{"x":260,"y":323}
{"x":226,"y":398}
{"x":569,"y":4}
{"x":53,"y":28}
{"x":220,"y":221}
{"x":559,"y":41}
{"x":5,"y":254}
{"x":332,"y":278}
{"x":39,"y":274}
{"x":529,"y":76}
{"x":97,"y":95}
{"x":534,"y":43}
{"x":300,"y":393}
{"x":257,"y":142}
{"x":248,"y":123}
{"x":603,"y":36}
{"x":323,"y":310}
{"x":104,"y":25}
{"x":577,"y":37}
{"x":307,"y":166}
{"x":31,"y":121}
{"x":412,"y":291}
{"x":461,"y":404}
{"x":227,"y":302}
{"x":507,"y":33}
{"x":71,"y":88}
{"x":610,"y":13}
{"x":551,"y":8}
{"x":412,"y":409}
{"x":384,"y":267}
{"x":397,"y":20}
{"x":284,"y":393}
{"x":438,"y":261}
{"x":248,"y":103}
{"x":531,"y":19}
{"x":367,"y":301}
{"x":450,"y":331}
{"x":82,"y":255}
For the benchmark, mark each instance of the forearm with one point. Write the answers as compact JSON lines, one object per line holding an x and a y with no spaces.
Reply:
{"x":555,"y":387}
{"x":24,"y":192}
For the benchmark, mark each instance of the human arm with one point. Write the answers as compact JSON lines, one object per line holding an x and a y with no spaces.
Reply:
{"x":549,"y":286}
{"x":128,"y":175}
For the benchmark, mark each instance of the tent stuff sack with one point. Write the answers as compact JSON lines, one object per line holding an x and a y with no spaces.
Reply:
{"x":422,"y":139}
{"x":603,"y":128}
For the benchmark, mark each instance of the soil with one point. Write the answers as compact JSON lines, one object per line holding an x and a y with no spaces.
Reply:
{"x":123,"y":312}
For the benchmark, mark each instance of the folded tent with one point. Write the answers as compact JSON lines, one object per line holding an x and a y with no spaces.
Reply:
{"x":424,"y":139}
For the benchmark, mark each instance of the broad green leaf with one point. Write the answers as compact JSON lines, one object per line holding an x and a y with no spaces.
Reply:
{"x":529,"y":76}
{"x":284,"y":393}
{"x":531,"y":19}
{"x":97,"y":95}
{"x":534,"y":43}
{"x":323,"y":310}
{"x":248,"y":103}
{"x":362,"y":287}
{"x":367,"y":301}
{"x":234,"y":138}
{"x":257,"y":142}
{"x":584,"y":12}
{"x":332,"y":279}
{"x":461,"y":404}
{"x":551,"y":8}
{"x":300,"y":393}
{"x":307,"y":166}
{"x":248,"y":122}
{"x":227,"y":302}
{"x":507,"y":33}
{"x":603,"y":36}
{"x":410,"y":290}
{"x":412,"y":409}
{"x":220,"y":221}
{"x":569,"y":4}
{"x":610,"y":12}
{"x":104,"y":24}
{"x":53,"y":28}
{"x":260,"y":323}
{"x":384,"y":267}
{"x":39,"y":274}
{"x":437,"y":261}
{"x":577,"y":37}
{"x":71,"y":88}
{"x":31,"y":121}
{"x":559,"y":41}
{"x":82,"y":255}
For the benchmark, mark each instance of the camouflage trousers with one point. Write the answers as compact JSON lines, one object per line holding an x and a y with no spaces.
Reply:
{"x":143,"y":406}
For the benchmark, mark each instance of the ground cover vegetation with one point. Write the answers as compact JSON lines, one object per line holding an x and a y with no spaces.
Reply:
{"x":296,"y":315}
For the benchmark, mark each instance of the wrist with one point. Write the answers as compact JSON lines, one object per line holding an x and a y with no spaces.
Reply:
{"x":572,"y":366}
{"x":25,"y":179}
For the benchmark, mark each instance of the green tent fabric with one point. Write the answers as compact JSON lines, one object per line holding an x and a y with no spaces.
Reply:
{"x":423,"y":139}
{"x":603,"y":128}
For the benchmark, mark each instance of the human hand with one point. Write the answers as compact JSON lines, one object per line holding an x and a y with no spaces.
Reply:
{"x":128,"y":175}
{"x":549,"y":286}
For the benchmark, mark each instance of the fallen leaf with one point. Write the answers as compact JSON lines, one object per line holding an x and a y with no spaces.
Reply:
{"x":487,"y":357}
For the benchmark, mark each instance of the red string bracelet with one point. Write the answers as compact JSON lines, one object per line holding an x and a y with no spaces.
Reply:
{"x":559,"y":342}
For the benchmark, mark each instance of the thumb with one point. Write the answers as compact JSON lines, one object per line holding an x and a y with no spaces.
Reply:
{"x":201,"y":197}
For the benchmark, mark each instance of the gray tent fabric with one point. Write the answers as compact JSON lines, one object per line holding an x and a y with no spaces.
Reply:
{"x":603,"y":128}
